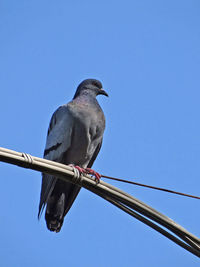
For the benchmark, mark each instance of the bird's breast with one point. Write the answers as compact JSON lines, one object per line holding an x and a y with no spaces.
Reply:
{"x":87,"y":132}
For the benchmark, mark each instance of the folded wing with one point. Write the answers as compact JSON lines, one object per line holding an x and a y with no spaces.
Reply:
{"x":59,"y":140}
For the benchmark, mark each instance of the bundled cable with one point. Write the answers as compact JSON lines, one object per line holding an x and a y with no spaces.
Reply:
{"x":117,"y":197}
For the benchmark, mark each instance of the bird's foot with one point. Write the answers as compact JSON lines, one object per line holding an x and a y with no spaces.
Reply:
{"x":81,"y":170}
{"x":88,"y":171}
{"x":94,"y":173}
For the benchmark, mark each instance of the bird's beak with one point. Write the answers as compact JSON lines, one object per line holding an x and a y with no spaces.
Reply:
{"x":102,"y":92}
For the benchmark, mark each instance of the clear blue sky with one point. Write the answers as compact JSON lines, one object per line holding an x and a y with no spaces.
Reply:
{"x":147,"y":55}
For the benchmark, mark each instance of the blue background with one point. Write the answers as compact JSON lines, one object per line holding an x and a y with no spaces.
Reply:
{"x":147,"y":55}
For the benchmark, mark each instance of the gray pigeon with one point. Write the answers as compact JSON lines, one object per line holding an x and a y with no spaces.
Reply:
{"x":74,"y":137}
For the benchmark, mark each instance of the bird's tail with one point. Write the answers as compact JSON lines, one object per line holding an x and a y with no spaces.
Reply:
{"x":53,"y":224}
{"x":54,"y":215}
{"x":59,"y":204}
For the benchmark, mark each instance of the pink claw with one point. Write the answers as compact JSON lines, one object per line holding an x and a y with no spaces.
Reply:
{"x":94,"y":173}
{"x":81,"y":170}
{"x":89,"y":171}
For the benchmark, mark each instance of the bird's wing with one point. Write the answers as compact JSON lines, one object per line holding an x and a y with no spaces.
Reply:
{"x":58,"y":142}
{"x":96,"y":152}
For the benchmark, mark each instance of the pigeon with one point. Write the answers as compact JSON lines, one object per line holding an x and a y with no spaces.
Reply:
{"x":74,"y":137}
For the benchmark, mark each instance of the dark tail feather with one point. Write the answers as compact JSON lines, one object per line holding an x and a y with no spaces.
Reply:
{"x":55,"y":212}
{"x":59,"y":203}
{"x":48,"y":184}
{"x":53,"y":224}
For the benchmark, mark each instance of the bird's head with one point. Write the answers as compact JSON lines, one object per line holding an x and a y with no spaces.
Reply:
{"x":90,"y":86}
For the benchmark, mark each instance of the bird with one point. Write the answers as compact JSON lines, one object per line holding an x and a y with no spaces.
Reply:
{"x":74,"y":137}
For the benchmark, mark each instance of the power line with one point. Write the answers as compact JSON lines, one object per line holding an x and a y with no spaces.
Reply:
{"x":150,"y":186}
{"x":117,"y":197}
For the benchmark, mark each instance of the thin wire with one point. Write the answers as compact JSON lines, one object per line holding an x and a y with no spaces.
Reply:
{"x":105,"y":176}
{"x":190,"y":246}
{"x":150,"y":186}
{"x":191,"y":249}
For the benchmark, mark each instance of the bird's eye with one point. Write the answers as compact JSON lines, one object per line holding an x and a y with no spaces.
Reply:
{"x":96,"y":84}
